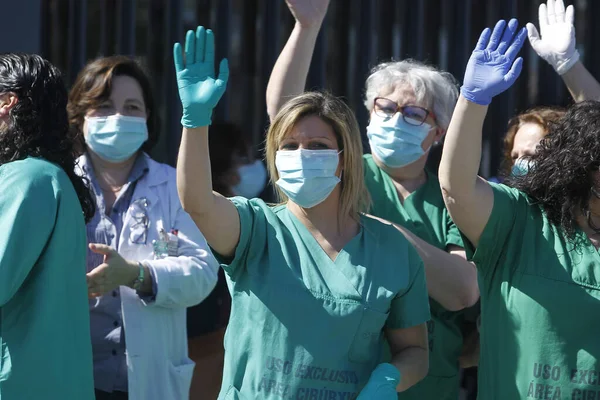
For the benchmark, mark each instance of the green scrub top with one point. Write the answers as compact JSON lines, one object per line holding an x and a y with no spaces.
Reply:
{"x":540,"y":306}
{"x":45,"y":351}
{"x":424,"y":214}
{"x":303,"y":326}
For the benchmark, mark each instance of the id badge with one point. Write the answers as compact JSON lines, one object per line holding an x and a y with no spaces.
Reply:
{"x":167,"y":245}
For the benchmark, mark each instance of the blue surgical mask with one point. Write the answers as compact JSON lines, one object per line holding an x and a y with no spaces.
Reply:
{"x":307,"y":177}
{"x":521,"y":167}
{"x":252,"y":180}
{"x":395,"y":142}
{"x":115,"y":138}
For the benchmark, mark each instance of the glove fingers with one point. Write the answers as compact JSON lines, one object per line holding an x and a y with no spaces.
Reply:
{"x":178,"y":57}
{"x":559,"y":11}
{"x":209,"y":52}
{"x":190,"y":43}
{"x":551,"y":12}
{"x":570,"y":15}
{"x":516,"y":45}
{"x":543,"y":18}
{"x":483,"y":39}
{"x":200,"y":44}
{"x":512,"y":75}
{"x":223,"y":73}
{"x":496,"y":35}
{"x":509,"y":32}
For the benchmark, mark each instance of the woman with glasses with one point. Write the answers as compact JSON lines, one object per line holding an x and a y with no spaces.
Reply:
{"x":147,"y":261}
{"x":410,"y":105}
{"x":315,"y":283}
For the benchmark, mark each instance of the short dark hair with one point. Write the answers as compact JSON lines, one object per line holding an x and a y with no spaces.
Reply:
{"x":38,"y":124}
{"x":93,"y":87}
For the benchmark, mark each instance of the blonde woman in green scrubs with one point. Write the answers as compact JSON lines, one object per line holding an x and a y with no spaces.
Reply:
{"x":316,"y":284}
{"x":410,"y":105}
{"x":535,"y":243}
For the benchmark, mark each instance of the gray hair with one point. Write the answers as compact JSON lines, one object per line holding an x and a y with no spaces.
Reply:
{"x":438,"y":90}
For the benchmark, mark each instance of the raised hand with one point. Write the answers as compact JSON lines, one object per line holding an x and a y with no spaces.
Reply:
{"x":492,"y":67}
{"x":308,"y":12}
{"x":556,"y":45}
{"x":199,"y":90}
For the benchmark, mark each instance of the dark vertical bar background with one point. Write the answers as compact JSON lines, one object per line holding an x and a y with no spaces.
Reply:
{"x":356,"y":35}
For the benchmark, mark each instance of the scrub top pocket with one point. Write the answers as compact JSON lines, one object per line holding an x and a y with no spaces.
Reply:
{"x":366,"y":345}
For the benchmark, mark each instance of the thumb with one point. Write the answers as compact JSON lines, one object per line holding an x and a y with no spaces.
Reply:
{"x":102,"y":249}
{"x":533,"y":35}
{"x":223,"y":73}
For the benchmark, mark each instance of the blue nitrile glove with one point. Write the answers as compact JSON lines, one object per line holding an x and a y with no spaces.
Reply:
{"x":382,"y":384}
{"x":199,"y":91}
{"x":492,"y":67}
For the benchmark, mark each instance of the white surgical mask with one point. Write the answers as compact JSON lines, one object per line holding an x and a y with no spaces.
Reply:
{"x":253,"y":178}
{"x":115,"y":138}
{"x":307,"y":177}
{"x":395,"y":142}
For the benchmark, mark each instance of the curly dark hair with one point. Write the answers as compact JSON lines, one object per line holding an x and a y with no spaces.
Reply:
{"x":38,"y":124}
{"x":562,"y":180}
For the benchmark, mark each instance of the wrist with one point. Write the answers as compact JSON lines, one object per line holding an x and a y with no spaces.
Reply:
{"x":474,"y":98}
{"x":132,"y":273}
{"x":565,"y":64}
{"x":312,"y":28}
{"x":196,"y":119}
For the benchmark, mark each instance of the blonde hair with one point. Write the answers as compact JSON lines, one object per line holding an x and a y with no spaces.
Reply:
{"x":354,"y":198}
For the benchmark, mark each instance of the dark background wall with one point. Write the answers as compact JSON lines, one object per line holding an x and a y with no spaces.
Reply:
{"x":357,"y":34}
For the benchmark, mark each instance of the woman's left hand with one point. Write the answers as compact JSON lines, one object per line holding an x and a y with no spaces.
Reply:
{"x":114,"y":272}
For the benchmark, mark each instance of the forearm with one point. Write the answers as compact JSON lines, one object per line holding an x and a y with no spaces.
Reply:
{"x":183,"y":281}
{"x":289,"y":74}
{"x":194,"y":182}
{"x":581,"y":84}
{"x":413,"y":364}
{"x":451,"y":279}
{"x":461,"y":156}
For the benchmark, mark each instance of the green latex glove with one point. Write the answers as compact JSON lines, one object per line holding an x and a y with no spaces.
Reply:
{"x":199,"y":91}
{"x":382,"y":384}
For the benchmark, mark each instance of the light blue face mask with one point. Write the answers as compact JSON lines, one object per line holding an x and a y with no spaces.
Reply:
{"x":307,"y":177}
{"x":521,"y":167}
{"x":252,"y":180}
{"x":115,"y":138}
{"x":395,"y":142}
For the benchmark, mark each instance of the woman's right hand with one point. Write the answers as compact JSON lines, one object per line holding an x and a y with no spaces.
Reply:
{"x":199,"y":91}
{"x":492,"y":67}
{"x":308,"y":12}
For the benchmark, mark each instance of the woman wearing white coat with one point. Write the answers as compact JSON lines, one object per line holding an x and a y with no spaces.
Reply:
{"x":147,"y":261}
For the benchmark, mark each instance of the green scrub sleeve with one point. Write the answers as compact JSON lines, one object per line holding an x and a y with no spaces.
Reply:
{"x":509,"y":203}
{"x":252,"y":231}
{"x":28,"y":207}
{"x":411,"y":307}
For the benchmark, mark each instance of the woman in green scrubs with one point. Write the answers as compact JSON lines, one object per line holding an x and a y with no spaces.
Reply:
{"x":535,"y":244}
{"x":410,"y":105}
{"x":315,"y":283}
{"x":45,"y":347}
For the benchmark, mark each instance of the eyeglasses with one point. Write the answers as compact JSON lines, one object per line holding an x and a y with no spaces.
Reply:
{"x":139,"y":230}
{"x":413,"y":115}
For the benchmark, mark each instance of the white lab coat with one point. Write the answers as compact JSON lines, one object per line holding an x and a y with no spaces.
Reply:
{"x":158,"y":366}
